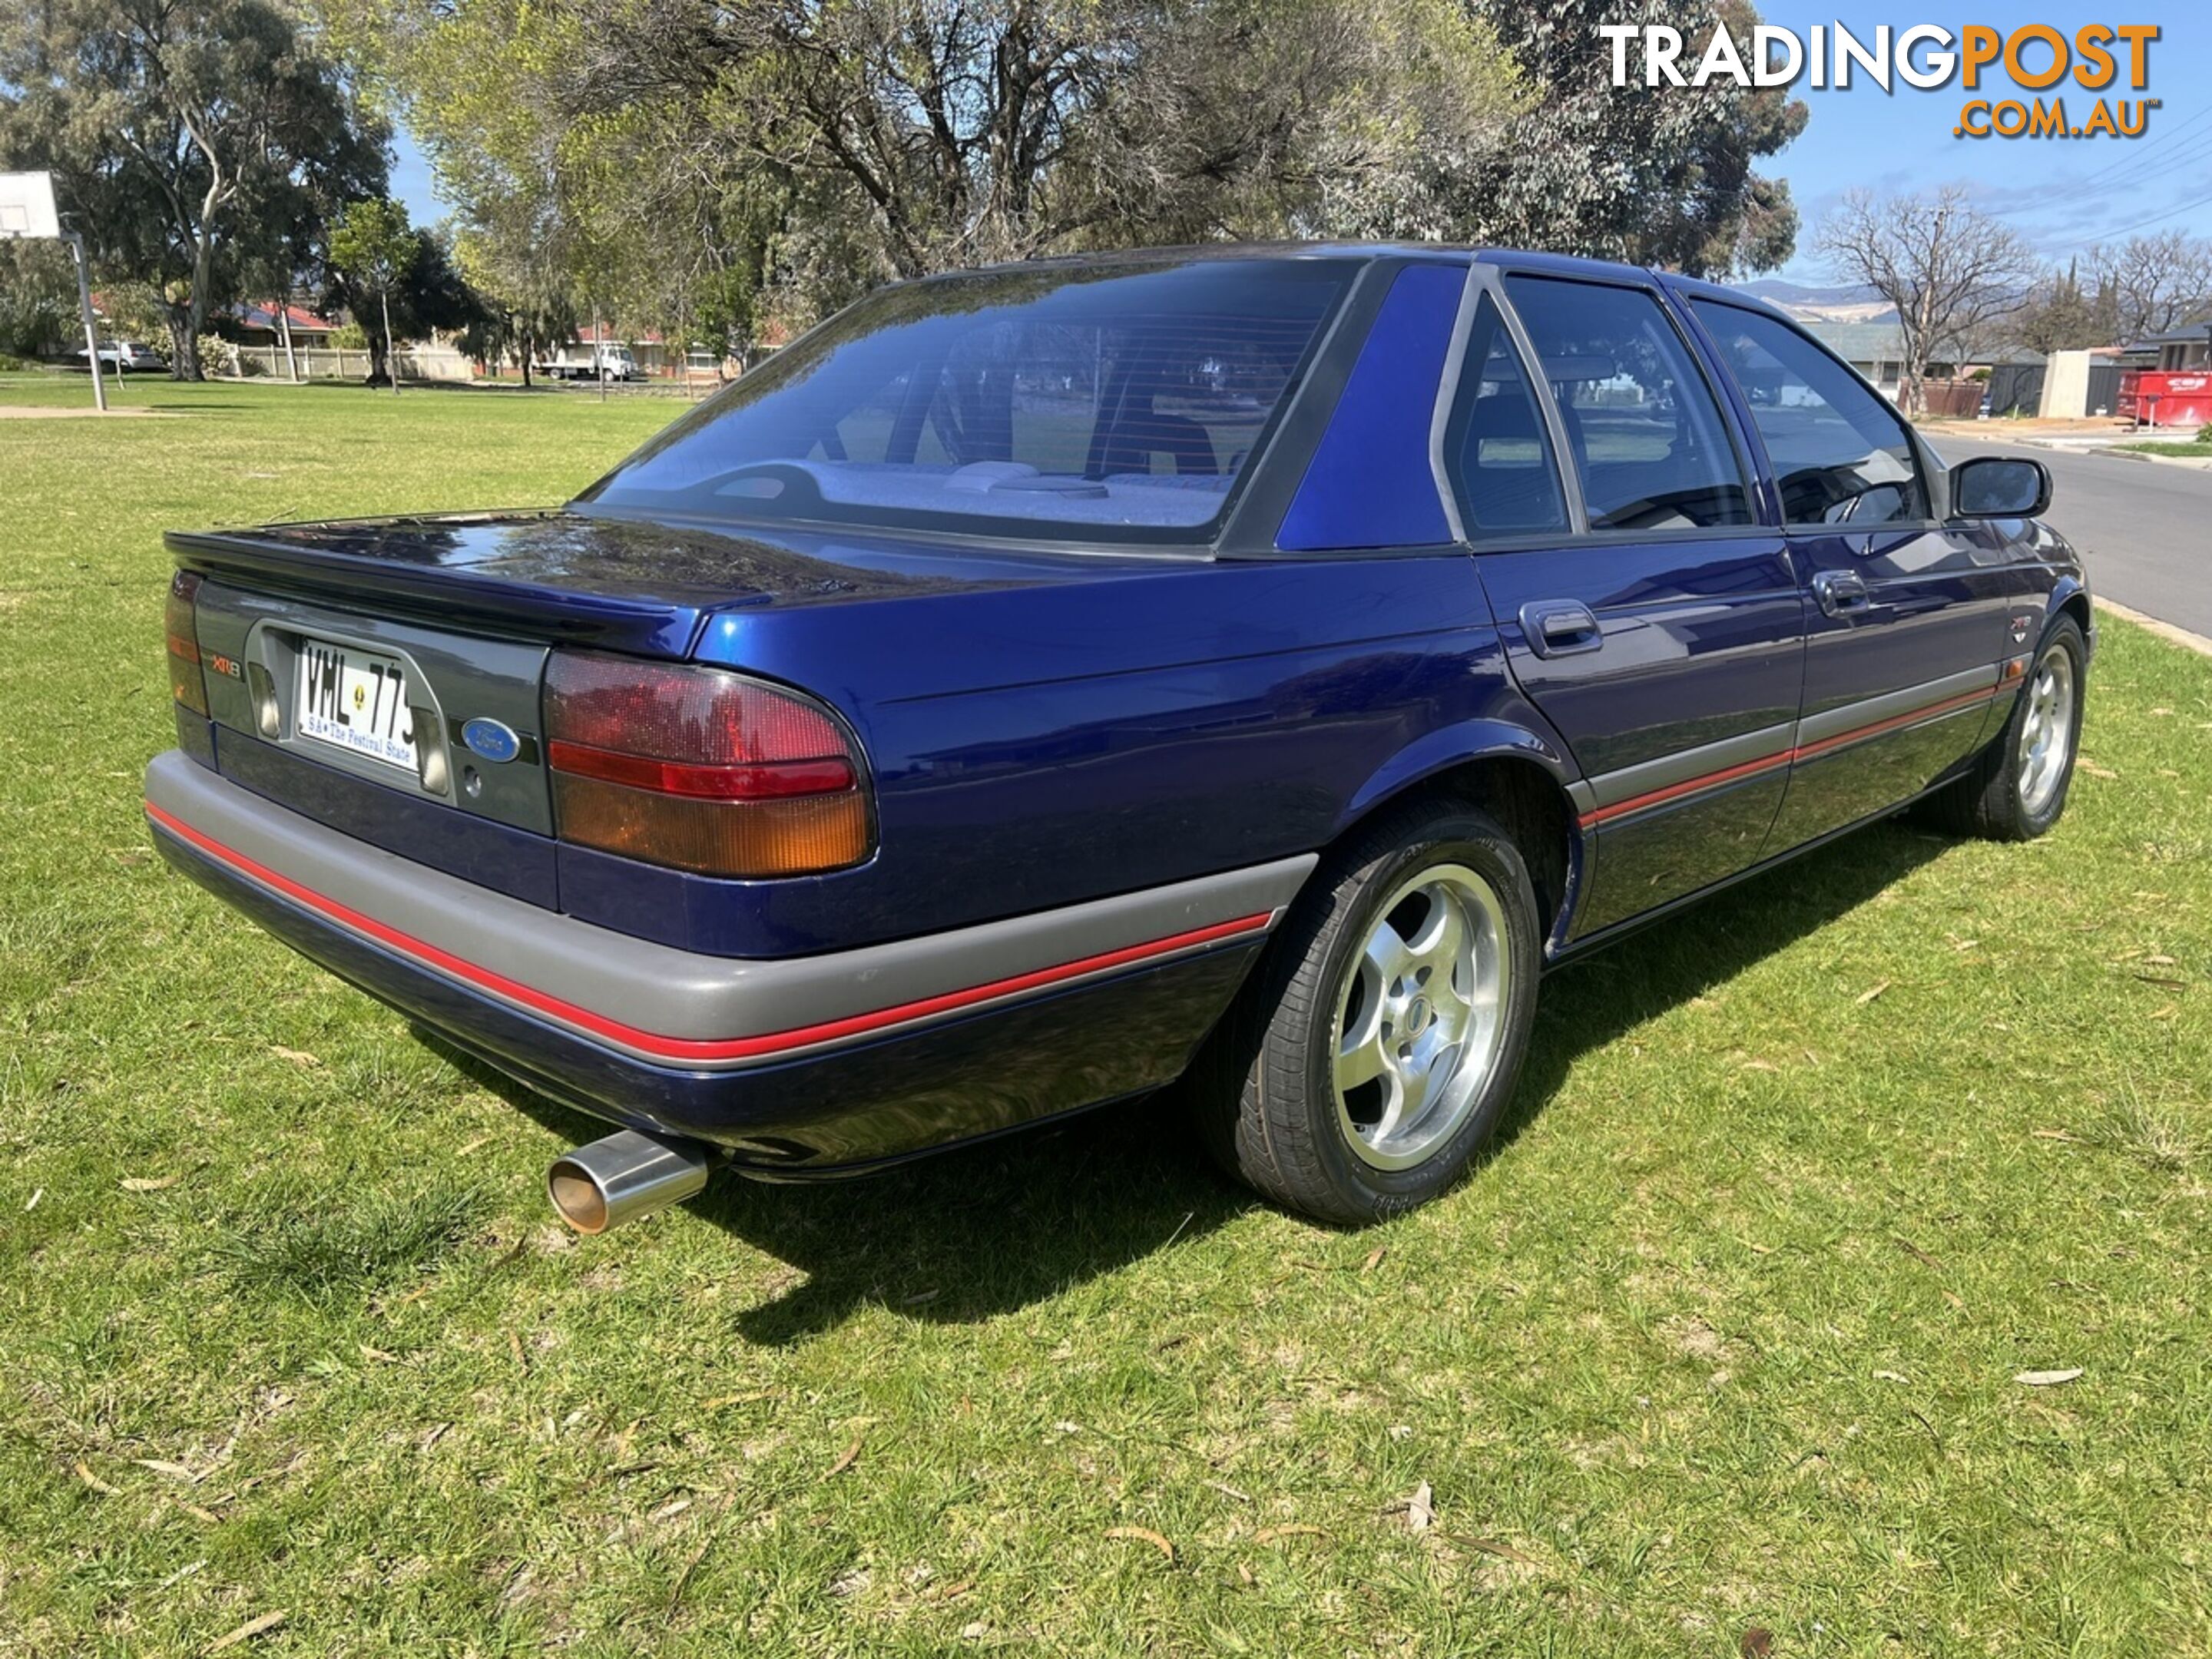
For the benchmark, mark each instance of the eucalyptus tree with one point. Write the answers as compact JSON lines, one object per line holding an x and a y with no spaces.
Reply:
{"x":189,"y":139}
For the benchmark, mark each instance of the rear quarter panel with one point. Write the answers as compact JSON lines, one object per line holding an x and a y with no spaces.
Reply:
{"x":1038,"y":746}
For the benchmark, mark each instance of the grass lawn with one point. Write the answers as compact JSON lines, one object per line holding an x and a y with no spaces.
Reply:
{"x":1726,"y":1339}
{"x":2188,"y":452}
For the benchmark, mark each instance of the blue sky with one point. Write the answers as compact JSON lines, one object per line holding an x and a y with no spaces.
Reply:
{"x":2062,"y":194}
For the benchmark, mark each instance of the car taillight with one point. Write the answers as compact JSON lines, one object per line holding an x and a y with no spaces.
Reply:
{"x":701,"y":768}
{"x":185,"y":684}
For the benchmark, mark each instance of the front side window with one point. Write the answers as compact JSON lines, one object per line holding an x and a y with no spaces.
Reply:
{"x":1105,"y":403}
{"x":1839,"y":454}
{"x":1502,"y":464}
{"x":1649,"y":442}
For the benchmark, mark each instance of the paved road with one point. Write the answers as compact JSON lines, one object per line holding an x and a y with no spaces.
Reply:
{"x":2145,"y":530}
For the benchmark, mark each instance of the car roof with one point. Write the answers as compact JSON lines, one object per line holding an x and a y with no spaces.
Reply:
{"x":1564,"y":264}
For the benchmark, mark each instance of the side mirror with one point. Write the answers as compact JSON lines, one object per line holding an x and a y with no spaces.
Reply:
{"x":1999,"y":487}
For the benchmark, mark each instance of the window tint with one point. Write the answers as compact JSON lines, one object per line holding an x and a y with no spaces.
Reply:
{"x":1502,"y":459}
{"x":1101,"y":401}
{"x":1648,"y":439}
{"x":1839,"y":454}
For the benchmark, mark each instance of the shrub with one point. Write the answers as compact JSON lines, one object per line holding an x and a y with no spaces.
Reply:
{"x":2204,"y":433}
{"x":217,"y":355}
{"x":10,"y":365}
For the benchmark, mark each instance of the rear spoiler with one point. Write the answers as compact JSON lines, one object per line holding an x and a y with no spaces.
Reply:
{"x":475,"y":600}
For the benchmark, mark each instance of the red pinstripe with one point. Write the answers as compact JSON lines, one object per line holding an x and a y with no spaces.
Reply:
{"x":691,"y":1049}
{"x":1785,"y":756}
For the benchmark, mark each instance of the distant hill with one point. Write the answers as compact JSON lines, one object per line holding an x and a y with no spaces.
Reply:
{"x":1852,"y":302}
{"x":1792,"y":293}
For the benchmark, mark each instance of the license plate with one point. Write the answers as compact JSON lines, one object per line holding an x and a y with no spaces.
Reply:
{"x":355,"y":700}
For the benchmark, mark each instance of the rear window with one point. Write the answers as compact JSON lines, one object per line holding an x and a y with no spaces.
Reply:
{"x":1111,"y":403}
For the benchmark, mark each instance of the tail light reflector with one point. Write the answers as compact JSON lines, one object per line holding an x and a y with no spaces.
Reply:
{"x":701,"y":768}
{"x":186,"y":683}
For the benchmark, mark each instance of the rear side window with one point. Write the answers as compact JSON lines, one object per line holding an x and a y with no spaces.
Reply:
{"x":1649,"y":442}
{"x":1840,"y":453}
{"x":1502,"y":462}
{"x":1106,"y":403}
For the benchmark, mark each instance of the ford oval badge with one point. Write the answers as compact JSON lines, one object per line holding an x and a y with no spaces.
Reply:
{"x":492,"y":740}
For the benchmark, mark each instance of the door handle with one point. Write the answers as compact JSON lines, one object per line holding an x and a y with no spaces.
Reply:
{"x":1842,"y":592}
{"x":1560,"y":627}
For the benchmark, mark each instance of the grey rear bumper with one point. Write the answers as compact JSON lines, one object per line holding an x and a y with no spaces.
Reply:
{"x":673,"y":1008}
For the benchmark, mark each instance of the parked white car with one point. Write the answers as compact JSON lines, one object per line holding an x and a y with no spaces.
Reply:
{"x":129,"y":358}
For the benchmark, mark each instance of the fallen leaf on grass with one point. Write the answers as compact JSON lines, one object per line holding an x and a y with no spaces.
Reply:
{"x":305,"y":1061}
{"x":159,"y":1467}
{"x":148,"y":1183}
{"x":1497,"y":1547}
{"x":845,"y":1458}
{"x":2048,"y":1379}
{"x":1757,"y":1643}
{"x":98,"y":1485}
{"x":33,"y":1204}
{"x":1374,"y":1258}
{"x":1890,"y":1376}
{"x":1421,"y":1508}
{"x":2054,"y":1135}
{"x":247,"y":1631}
{"x":1869,"y":994}
{"x":752,"y":1399}
{"x":2162,"y":981}
{"x":1920,"y":1255}
{"x":514,"y":1347}
{"x":1269,"y":1534}
{"x":1143,"y":1535}
{"x":2097,"y":771}
{"x":199,"y":1513}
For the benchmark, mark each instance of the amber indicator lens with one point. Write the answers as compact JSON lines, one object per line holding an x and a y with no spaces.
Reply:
{"x":701,"y":768}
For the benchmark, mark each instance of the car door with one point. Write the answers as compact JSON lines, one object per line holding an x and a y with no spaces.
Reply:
{"x":1908,"y":621}
{"x":1644,"y":610}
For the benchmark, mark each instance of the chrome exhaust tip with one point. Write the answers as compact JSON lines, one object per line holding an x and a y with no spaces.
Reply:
{"x":597,"y":1187}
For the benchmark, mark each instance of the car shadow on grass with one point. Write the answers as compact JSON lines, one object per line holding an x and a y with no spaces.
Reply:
{"x":990,"y":1228}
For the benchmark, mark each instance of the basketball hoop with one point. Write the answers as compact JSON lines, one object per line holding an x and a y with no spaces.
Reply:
{"x":27,"y":213}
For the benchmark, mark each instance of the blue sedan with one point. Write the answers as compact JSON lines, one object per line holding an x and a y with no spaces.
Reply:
{"x":1243,"y":669}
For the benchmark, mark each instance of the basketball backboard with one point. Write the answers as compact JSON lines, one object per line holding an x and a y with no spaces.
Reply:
{"x":26,"y":205}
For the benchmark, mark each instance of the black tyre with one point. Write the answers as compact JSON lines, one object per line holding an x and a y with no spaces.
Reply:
{"x":1376,"y":1047}
{"x":2016,"y":788}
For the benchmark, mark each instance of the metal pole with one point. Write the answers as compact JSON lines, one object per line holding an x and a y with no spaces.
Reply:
{"x":599,"y":351}
{"x":391,"y":349}
{"x":91,"y":328}
{"x":284,"y":327}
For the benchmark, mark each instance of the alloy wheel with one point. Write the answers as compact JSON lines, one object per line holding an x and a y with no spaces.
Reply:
{"x":1419,"y":1017}
{"x":2046,"y":735}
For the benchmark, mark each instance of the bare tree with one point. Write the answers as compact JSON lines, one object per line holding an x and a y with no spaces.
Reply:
{"x":1953,"y":273}
{"x":2156,"y":283}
